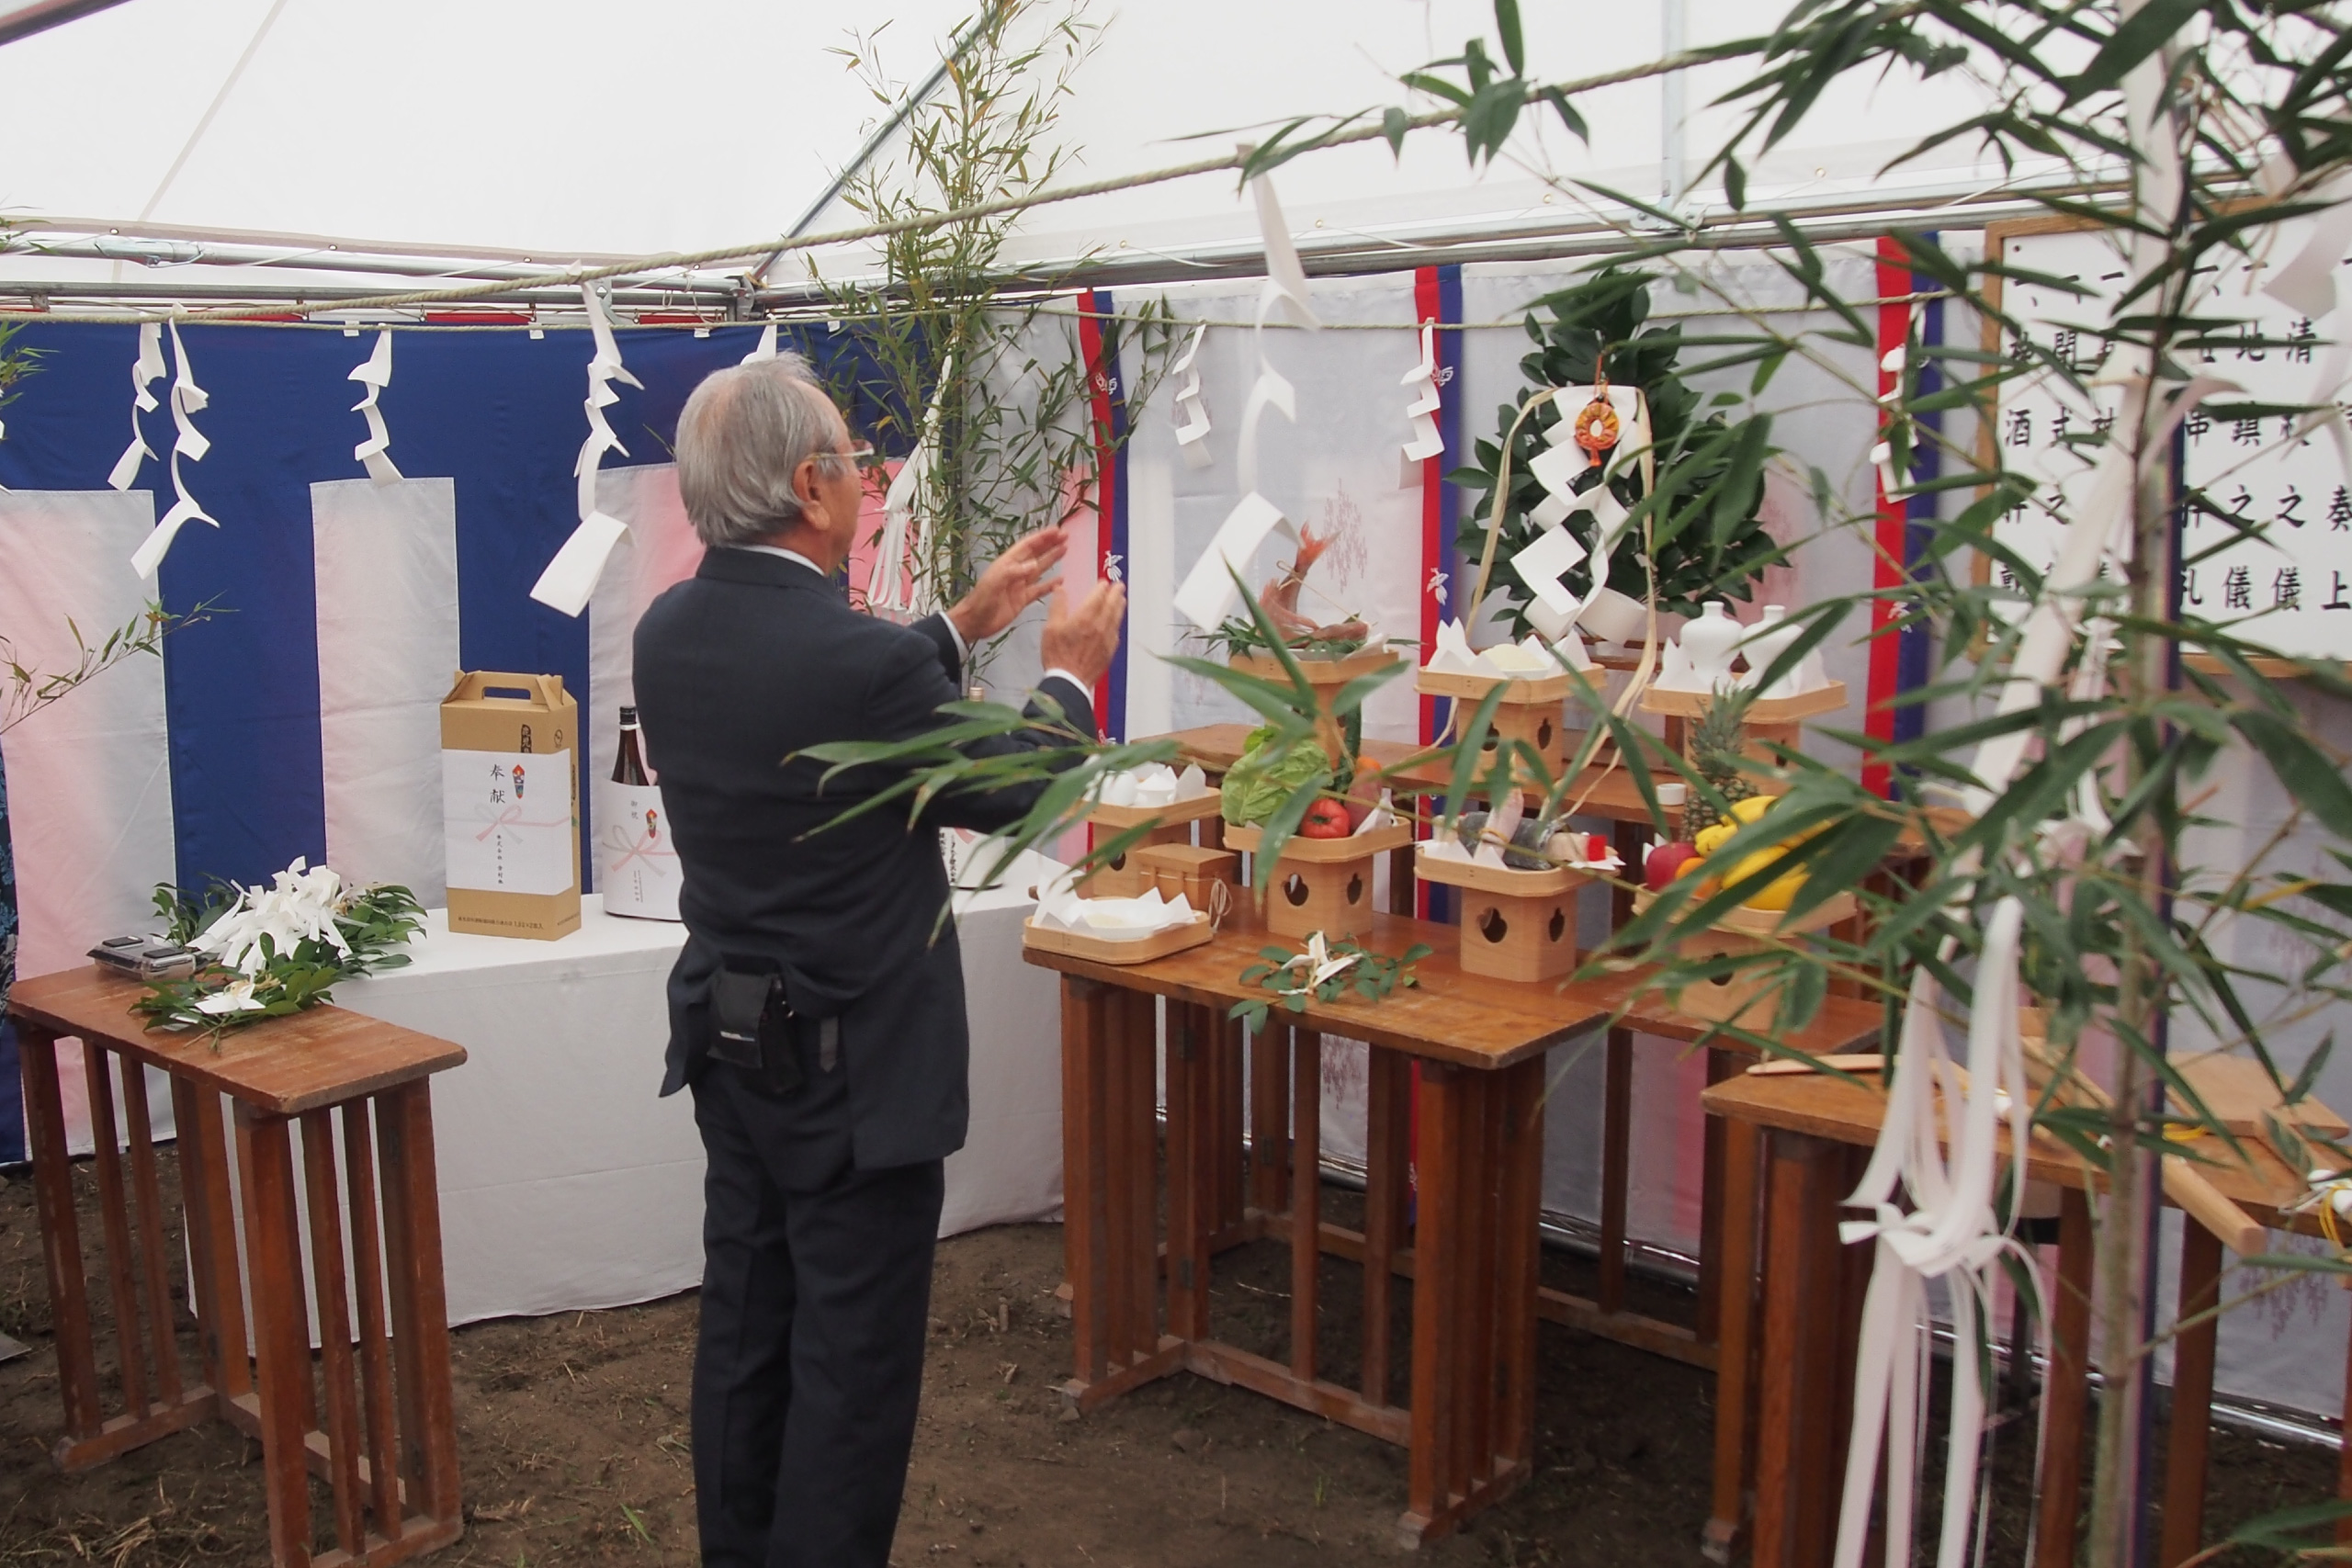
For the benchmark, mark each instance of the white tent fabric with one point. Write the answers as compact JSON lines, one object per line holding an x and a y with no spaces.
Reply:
{"x":386,"y":122}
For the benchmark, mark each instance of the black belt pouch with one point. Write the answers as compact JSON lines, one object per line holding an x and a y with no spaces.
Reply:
{"x":750,"y":1024}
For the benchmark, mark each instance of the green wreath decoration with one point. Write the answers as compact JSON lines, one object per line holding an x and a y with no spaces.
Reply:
{"x":1706,"y":535}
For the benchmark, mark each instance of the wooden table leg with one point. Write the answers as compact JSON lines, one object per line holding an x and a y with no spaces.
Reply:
{"x":1229,"y":1138}
{"x":1735,"y":1277}
{"x":1306,"y":1195}
{"x":1721,"y":1065}
{"x":1383,"y":1210}
{"x":1518,"y":1264}
{"x":2192,"y":1396}
{"x":1474,"y":1310}
{"x":1086,"y":1215}
{"x":376,"y":1388}
{"x":420,"y":1305}
{"x":1270,"y":1118}
{"x":114,"y":1212}
{"x":1795,"y":1471}
{"x":154,"y":1270}
{"x":1193,"y":1112}
{"x":60,"y":1235}
{"x":1616,"y":1167}
{"x":281,"y":1330}
{"x":1437,"y":1247}
{"x":2065,"y":1395}
{"x":335,"y":1365}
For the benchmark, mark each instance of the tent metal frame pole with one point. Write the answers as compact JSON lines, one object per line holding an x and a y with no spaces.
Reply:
{"x":24,"y":21}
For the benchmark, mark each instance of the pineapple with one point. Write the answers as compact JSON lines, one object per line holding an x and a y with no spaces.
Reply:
{"x":1714,"y":749}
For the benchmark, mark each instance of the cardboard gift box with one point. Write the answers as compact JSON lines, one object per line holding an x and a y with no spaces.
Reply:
{"x":637,"y":865}
{"x":510,"y":804}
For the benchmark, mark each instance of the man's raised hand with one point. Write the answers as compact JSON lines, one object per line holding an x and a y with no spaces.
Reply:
{"x":1009,"y":584}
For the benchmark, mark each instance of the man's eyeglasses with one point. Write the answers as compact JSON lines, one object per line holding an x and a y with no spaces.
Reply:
{"x":862,"y":456}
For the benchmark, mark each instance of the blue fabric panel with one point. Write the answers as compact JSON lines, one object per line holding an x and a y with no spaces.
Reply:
{"x":494,"y":409}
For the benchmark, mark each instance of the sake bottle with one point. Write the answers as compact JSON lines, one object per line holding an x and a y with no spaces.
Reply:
{"x":628,"y":768}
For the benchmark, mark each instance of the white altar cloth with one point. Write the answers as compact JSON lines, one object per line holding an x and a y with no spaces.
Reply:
{"x":567,"y":1183}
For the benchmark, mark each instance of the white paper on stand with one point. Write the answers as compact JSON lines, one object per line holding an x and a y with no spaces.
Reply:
{"x":501,"y":836}
{"x":1059,"y":907}
{"x":1209,"y":594}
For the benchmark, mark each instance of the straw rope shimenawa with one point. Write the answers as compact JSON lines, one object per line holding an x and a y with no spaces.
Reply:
{"x":781,"y":245}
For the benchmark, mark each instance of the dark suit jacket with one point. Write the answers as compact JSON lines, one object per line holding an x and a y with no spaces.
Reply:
{"x":751,"y":659}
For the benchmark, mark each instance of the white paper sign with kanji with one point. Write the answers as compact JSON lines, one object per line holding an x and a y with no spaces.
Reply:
{"x":507,"y":818}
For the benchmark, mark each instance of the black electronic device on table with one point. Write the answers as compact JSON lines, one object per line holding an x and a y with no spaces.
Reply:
{"x":145,"y":957}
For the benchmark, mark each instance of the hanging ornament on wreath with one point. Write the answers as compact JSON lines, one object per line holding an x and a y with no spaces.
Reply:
{"x":1597,"y":426}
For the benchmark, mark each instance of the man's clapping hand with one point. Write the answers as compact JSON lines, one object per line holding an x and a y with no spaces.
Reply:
{"x":1082,"y":638}
{"x":1011,"y":583}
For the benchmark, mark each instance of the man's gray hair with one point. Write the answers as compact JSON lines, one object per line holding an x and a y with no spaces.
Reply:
{"x":741,"y":434}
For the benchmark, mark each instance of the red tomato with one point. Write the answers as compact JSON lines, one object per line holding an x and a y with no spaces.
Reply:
{"x":1325,"y":819}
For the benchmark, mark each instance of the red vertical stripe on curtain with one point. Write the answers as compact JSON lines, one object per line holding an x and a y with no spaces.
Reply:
{"x":1886,"y":646}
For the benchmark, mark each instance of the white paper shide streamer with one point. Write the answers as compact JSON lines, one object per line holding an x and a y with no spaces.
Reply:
{"x":1421,"y":415}
{"x":1192,"y":415}
{"x":1208,"y":595}
{"x":376,"y":374}
{"x":893,"y":586}
{"x":764,"y":348}
{"x":570,"y":578}
{"x":145,"y":371}
{"x":187,"y":442}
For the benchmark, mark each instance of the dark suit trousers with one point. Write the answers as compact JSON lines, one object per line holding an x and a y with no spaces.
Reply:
{"x":816,"y":1297}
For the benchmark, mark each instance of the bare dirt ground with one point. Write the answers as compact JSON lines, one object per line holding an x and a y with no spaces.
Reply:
{"x":572,"y":1444}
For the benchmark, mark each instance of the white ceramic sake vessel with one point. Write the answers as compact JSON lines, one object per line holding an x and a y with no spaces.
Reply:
{"x":1766,"y":642}
{"x":1708,"y":644}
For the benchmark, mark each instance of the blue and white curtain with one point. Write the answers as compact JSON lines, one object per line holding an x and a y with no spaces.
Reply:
{"x":298,"y":715}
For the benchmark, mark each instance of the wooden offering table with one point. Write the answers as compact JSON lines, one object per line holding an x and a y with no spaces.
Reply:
{"x":387,"y":1443}
{"x":1814,"y":1132}
{"x":1470,"y":1420}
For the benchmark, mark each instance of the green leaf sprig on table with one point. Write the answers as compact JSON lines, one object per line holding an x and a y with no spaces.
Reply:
{"x":1326,"y":972}
{"x":275,"y":951}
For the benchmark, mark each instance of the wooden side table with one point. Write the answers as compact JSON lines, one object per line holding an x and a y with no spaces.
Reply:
{"x":386,"y":1438}
{"x":1469,"y":1422}
{"x":1811,"y":1132}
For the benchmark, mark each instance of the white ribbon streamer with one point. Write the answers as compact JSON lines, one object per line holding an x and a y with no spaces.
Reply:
{"x":570,"y":578}
{"x":188,"y":400}
{"x":1209,"y":595}
{"x":1952,"y":1230}
{"x":764,"y":348}
{"x":1426,"y":440}
{"x":145,"y":371}
{"x":1192,"y":416}
{"x":376,"y":374}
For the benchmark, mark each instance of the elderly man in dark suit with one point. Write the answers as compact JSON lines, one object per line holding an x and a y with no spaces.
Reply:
{"x":817,"y":1009}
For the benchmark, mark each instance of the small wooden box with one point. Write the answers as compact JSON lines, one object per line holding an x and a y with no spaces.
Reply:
{"x":1531,"y":709}
{"x":1191,"y":870}
{"x":1515,"y":925}
{"x":1323,"y":674}
{"x":1119,"y":878}
{"x":1323,"y":884}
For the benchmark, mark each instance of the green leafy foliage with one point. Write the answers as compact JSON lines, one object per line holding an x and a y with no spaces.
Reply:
{"x":376,"y":922}
{"x":1334,"y":971}
{"x":1707,"y":540}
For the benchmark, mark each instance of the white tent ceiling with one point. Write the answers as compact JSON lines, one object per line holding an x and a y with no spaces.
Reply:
{"x":584,"y":131}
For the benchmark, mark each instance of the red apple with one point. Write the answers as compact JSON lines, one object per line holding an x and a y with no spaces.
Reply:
{"x":1665,"y":863}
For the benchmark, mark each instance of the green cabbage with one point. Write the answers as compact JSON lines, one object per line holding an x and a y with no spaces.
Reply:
{"x":1258,"y":781}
